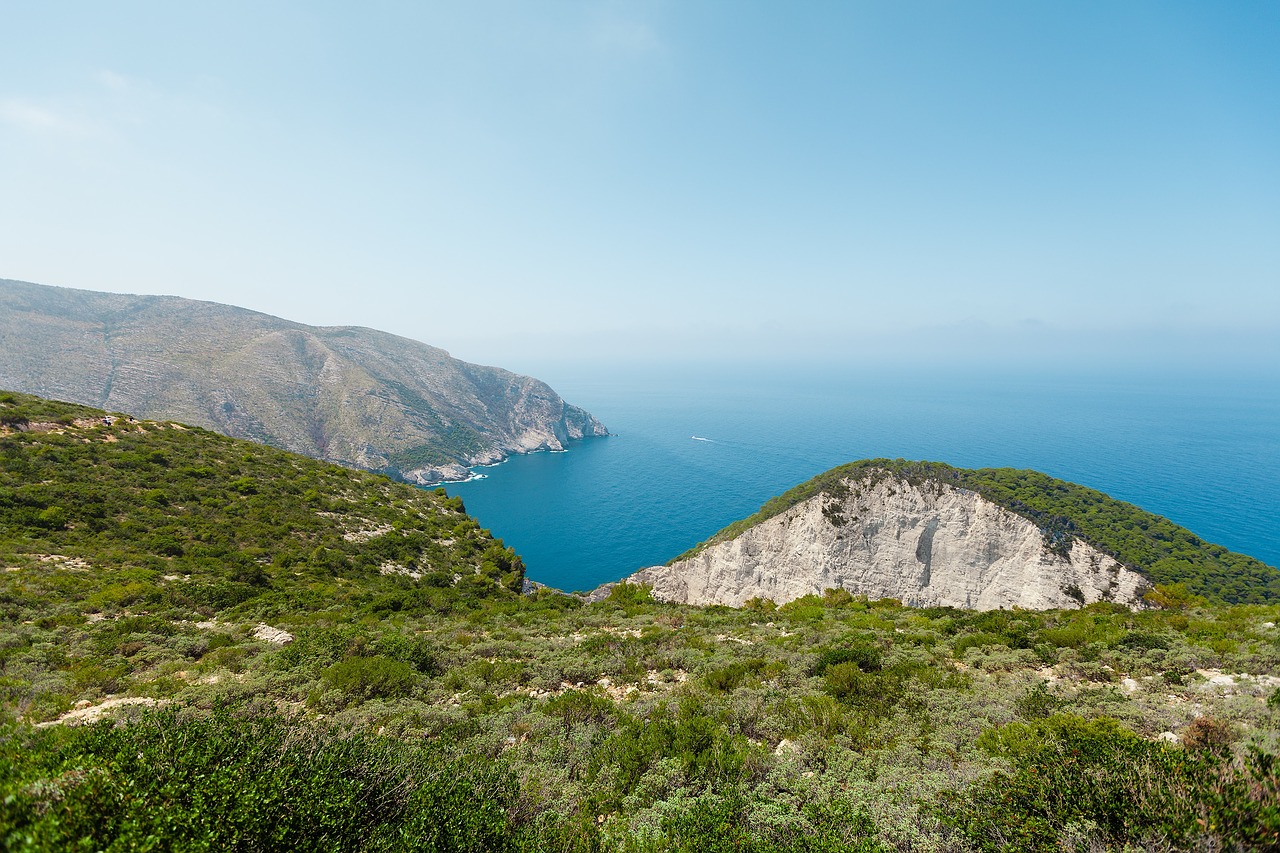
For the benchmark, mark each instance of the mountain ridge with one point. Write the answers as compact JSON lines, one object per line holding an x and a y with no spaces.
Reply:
{"x":345,"y":394}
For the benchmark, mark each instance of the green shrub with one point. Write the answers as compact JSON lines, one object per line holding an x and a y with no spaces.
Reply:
{"x":706,"y":752}
{"x":630,"y":594}
{"x":54,"y":518}
{"x":1037,"y":703}
{"x":371,"y":677}
{"x":729,"y":823}
{"x":1071,"y":776}
{"x":180,"y":782}
{"x":865,"y":656}
{"x":736,"y":674}
{"x":575,"y":707}
{"x":873,"y":694}
{"x":1142,"y":642}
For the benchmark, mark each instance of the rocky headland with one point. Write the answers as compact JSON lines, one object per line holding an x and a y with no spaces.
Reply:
{"x":351,"y":395}
{"x":924,"y":543}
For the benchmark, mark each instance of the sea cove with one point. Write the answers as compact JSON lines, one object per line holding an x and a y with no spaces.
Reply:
{"x":694,"y":450}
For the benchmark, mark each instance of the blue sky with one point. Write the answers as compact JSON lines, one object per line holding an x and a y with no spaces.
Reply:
{"x":527,"y":182}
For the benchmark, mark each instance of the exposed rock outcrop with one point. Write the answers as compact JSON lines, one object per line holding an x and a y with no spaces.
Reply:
{"x":926,"y":544}
{"x":350,"y":395}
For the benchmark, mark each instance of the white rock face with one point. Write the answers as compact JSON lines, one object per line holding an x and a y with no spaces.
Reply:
{"x":927,"y":545}
{"x":275,"y":636}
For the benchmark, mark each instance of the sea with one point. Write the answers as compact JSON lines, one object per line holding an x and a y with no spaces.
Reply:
{"x":695,"y":448}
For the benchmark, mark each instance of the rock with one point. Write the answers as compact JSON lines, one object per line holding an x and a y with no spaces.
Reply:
{"x":930,"y":544}
{"x":430,"y":476}
{"x":786,"y":747}
{"x":85,"y":713}
{"x":1217,"y":677}
{"x":1167,"y":737}
{"x":1128,"y":685}
{"x":275,"y":636}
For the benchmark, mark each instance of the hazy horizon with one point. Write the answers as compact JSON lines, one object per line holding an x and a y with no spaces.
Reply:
{"x":628,"y":182}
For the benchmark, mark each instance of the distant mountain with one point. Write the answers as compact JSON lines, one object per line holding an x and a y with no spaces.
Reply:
{"x":344,"y":394}
{"x":929,"y":534}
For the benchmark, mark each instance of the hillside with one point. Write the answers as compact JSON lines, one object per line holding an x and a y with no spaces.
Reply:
{"x":350,"y":395}
{"x":134,"y":527}
{"x":308,"y":657}
{"x":928,"y":533}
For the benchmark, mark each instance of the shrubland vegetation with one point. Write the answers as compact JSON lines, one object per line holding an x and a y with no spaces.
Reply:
{"x":1148,"y":543}
{"x":444,"y":711}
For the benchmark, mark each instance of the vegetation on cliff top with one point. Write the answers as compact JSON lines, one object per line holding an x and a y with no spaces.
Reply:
{"x":150,"y":572}
{"x":1163,"y":551}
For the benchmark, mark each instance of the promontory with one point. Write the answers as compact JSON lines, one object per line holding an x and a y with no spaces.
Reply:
{"x":346,"y":394}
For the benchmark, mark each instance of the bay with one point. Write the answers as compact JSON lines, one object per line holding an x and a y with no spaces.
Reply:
{"x":696,"y":448}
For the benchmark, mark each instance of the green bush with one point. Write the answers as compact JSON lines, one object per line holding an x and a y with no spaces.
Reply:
{"x":1037,"y":703}
{"x":736,"y":674}
{"x":1073,"y":776}
{"x":575,"y":707}
{"x":865,"y":656}
{"x":371,"y":677}
{"x":729,"y":823}
{"x":181,"y":782}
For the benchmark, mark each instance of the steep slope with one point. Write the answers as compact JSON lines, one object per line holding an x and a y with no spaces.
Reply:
{"x":350,"y":395}
{"x":929,"y":534}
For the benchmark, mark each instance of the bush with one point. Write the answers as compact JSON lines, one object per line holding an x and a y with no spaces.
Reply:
{"x":871,"y":693}
{"x":726,"y":823}
{"x":54,"y":518}
{"x":864,"y":656}
{"x":705,"y":751}
{"x":371,"y":677}
{"x":181,"y":782}
{"x":736,"y":674}
{"x":1037,"y":703}
{"x":1071,"y":776}
{"x":575,"y":707}
{"x":1206,"y":734}
{"x":630,"y":594}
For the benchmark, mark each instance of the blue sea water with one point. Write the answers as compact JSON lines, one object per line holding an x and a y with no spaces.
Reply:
{"x":694,"y":450}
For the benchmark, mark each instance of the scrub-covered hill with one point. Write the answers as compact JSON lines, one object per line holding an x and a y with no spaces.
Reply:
{"x":288,"y":655}
{"x":137,"y":532}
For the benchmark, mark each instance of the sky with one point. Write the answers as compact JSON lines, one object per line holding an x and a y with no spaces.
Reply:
{"x":522,"y":183}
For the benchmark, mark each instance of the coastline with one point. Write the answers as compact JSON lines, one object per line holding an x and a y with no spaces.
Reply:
{"x":473,"y":474}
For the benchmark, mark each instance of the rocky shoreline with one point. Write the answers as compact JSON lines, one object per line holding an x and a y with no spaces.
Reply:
{"x":454,"y":472}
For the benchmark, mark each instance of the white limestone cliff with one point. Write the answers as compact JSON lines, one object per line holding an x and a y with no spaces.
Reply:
{"x":929,"y":544}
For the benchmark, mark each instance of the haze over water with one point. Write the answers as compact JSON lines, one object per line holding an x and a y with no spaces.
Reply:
{"x":1201,"y":450}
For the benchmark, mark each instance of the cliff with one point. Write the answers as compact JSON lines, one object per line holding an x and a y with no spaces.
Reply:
{"x":350,"y":395}
{"x":926,"y":545}
{"x":929,"y":534}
